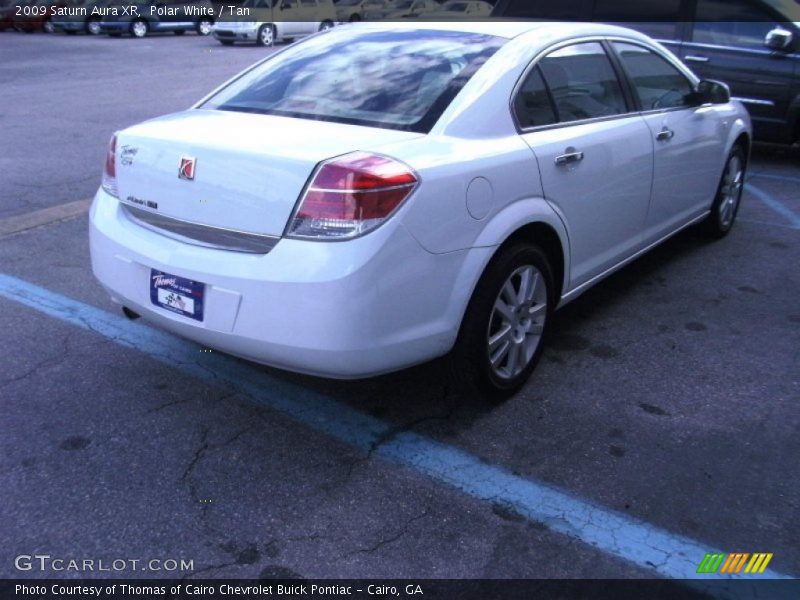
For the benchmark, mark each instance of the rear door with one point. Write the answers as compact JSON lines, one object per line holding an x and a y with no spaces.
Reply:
{"x":727,"y":43}
{"x":595,"y":154}
{"x":689,"y":147}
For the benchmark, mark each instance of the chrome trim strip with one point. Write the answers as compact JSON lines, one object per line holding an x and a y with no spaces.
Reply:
{"x":354,"y":191}
{"x":755,"y":101}
{"x":198,"y":234}
{"x":575,"y":292}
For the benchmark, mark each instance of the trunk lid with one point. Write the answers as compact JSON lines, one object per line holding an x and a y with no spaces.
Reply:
{"x":248,"y":169}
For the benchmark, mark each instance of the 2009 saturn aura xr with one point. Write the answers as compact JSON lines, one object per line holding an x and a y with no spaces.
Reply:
{"x":380,"y":194}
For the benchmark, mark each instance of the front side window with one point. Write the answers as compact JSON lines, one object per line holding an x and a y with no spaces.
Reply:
{"x":658,"y":84}
{"x":401,"y":79}
{"x":738,"y":23}
{"x":582,"y":82}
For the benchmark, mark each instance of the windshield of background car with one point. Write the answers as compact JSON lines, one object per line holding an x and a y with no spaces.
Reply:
{"x":401,"y":79}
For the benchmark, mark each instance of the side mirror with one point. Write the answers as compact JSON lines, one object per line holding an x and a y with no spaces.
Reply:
{"x":778,"y":39}
{"x":710,"y":91}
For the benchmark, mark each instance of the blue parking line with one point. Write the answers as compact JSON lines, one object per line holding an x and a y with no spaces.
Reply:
{"x":644,"y":545}
{"x":774,"y":204}
{"x":788,"y":178}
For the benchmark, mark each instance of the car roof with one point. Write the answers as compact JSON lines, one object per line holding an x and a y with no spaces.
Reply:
{"x":507,"y":29}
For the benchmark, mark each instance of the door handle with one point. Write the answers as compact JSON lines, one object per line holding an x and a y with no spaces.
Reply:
{"x":665,"y":134}
{"x":696,"y":58}
{"x":569,"y":157}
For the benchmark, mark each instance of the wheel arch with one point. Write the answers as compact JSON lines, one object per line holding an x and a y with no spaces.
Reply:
{"x":532,"y":220}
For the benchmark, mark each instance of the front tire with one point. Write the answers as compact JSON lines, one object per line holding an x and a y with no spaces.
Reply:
{"x":729,"y":195}
{"x":266,"y":36}
{"x":47,"y":26}
{"x":325,"y":25}
{"x":500,"y":340}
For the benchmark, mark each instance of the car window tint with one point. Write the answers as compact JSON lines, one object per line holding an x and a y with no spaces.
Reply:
{"x":657,"y":18}
{"x":400,"y":79}
{"x":731,"y":23}
{"x":532,"y":105}
{"x":657,"y":83}
{"x":583,"y":82}
{"x":561,"y":10}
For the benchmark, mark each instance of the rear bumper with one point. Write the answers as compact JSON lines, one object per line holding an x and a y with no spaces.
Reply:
{"x":337,"y":309}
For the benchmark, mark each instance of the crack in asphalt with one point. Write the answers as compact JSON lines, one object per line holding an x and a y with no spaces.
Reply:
{"x":391,"y":433}
{"x":392,"y":538}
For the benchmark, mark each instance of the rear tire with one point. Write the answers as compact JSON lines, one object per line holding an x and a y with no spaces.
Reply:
{"x":729,"y":195}
{"x":500,"y":340}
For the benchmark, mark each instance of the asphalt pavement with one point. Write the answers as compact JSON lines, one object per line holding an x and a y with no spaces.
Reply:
{"x":666,"y":405}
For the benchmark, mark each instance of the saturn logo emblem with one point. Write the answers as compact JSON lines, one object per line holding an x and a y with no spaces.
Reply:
{"x":187,"y":168}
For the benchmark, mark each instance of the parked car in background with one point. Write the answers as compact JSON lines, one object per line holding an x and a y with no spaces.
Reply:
{"x":404,"y":9}
{"x":152,"y":16}
{"x":388,"y":193}
{"x":7,"y":10}
{"x":458,"y":9}
{"x":276,"y":21}
{"x":356,"y":10}
{"x":89,"y":22}
{"x":37,"y":16}
{"x":752,"y":45}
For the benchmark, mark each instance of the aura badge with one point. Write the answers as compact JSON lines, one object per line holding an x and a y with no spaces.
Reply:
{"x":187,"y":168}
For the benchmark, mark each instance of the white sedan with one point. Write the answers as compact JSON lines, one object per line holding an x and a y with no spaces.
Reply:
{"x":380,"y":195}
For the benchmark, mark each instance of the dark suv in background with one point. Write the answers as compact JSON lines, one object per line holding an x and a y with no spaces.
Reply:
{"x":752,"y":45}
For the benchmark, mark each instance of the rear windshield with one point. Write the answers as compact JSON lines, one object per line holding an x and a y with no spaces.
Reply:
{"x":401,"y":79}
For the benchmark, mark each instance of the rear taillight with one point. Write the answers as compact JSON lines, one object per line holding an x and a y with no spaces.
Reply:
{"x":110,"y":169}
{"x":351,"y":195}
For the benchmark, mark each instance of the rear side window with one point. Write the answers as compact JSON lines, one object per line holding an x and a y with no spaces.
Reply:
{"x":533,"y":105}
{"x":402,"y":79}
{"x":657,"y":83}
{"x":582,"y":82}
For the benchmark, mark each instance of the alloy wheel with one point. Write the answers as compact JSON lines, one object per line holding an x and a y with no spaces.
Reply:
{"x":139,"y":29}
{"x":731,"y":190}
{"x":517,"y":322}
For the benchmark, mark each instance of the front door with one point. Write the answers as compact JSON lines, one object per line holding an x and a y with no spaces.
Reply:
{"x":688,"y":146}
